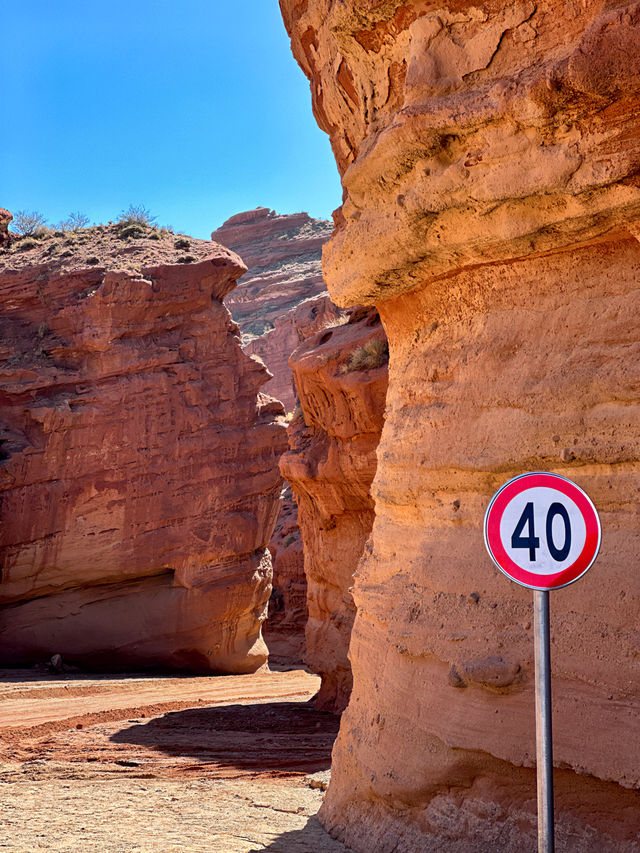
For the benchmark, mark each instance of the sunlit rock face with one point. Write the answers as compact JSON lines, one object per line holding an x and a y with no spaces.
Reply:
{"x":282,"y":253}
{"x":341,"y":380}
{"x":490,"y":156}
{"x":139,"y":478}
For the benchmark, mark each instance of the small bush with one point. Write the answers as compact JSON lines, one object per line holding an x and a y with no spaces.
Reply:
{"x":295,"y":414}
{"x":93,"y":260}
{"x":26,"y":243}
{"x":373,"y":354}
{"x":342,"y":320}
{"x":182,"y":243}
{"x":185,"y":259}
{"x":132,"y":230}
{"x":136,"y":215}
{"x":27,"y":222}
{"x":42,"y":231}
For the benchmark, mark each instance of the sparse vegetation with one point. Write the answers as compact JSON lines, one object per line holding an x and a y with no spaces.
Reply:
{"x":373,"y":354}
{"x":74,"y":222}
{"x":27,"y":222}
{"x":182,"y":243}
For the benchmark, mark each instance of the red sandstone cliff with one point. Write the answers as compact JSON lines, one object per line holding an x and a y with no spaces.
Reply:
{"x":139,"y":477}
{"x":341,"y":379}
{"x":490,"y":158}
{"x":282,"y":253}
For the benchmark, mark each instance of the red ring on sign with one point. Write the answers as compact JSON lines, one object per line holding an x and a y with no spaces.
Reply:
{"x":498,"y":553}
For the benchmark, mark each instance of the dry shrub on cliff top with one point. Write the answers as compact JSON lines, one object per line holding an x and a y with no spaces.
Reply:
{"x":373,"y":354}
{"x":136,"y":215}
{"x":27,"y":222}
{"x":74,"y":222}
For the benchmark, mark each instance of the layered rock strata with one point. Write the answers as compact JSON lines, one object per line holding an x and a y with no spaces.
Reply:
{"x":283,"y":255}
{"x":341,"y":378}
{"x":490,"y":158}
{"x":139,"y":477}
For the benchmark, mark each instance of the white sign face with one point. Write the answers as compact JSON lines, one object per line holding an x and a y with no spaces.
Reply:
{"x":542,"y":531}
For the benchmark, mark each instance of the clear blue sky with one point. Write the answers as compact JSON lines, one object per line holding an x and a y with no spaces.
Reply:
{"x":196,"y":110}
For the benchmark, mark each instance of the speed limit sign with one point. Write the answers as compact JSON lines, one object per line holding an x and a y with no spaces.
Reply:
{"x":542,"y":531}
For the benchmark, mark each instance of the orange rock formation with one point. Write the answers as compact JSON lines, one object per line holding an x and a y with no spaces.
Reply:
{"x":139,"y":477}
{"x":490,"y":156}
{"x":341,"y":378}
{"x":282,"y":253}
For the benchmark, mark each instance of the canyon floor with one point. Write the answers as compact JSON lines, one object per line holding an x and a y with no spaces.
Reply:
{"x":234,"y":764}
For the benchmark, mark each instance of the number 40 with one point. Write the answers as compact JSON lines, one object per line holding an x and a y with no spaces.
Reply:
{"x":532,"y":542}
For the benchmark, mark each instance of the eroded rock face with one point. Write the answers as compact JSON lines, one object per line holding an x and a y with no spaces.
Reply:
{"x":5,"y":221}
{"x":282,"y":253}
{"x":139,"y":477}
{"x":295,"y":326}
{"x":341,"y":379}
{"x":490,"y":159}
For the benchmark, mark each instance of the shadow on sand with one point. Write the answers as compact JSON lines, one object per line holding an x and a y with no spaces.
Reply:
{"x":289,"y":737}
{"x":311,"y":838}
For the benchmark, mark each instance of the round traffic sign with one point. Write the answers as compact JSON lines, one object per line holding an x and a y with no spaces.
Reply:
{"x":542,"y":531}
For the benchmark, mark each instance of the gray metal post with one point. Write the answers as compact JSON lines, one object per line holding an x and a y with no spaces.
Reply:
{"x":544,"y":742}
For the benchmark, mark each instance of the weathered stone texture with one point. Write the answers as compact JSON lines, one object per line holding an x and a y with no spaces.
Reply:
{"x":5,"y":220}
{"x":300,"y":322}
{"x":282,"y":253}
{"x":139,"y":479}
{"x":490,"y":156}
{"x":330,"y":465}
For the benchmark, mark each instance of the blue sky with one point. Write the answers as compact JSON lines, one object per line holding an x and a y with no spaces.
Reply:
{"x":196,"y":110}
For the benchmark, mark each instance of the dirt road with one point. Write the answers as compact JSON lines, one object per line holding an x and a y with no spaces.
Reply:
{"x":232,"y":764}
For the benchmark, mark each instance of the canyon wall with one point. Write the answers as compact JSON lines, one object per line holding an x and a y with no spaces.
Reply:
{"x":279,"y":303}
{"x":490,"y":157}
{"x":282,"y":253}
{"x":139,"y":477}
{"x":341,"y":379}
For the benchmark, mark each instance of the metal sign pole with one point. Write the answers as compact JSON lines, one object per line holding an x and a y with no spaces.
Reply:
{"x":544,"y":742}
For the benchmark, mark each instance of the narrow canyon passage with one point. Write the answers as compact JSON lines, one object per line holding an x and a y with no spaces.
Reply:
{"x":102,"y":763}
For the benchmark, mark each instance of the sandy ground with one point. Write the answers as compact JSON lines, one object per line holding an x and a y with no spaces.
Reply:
{"x":133,"y":763}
